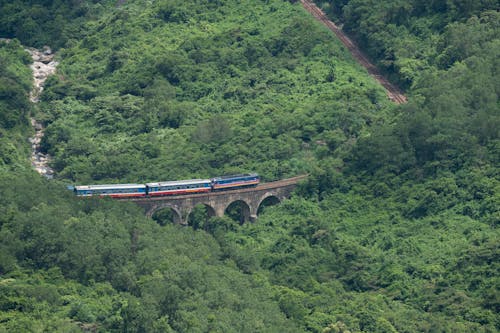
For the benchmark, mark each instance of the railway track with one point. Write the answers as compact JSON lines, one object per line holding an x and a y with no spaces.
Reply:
{"x":392,"y":91}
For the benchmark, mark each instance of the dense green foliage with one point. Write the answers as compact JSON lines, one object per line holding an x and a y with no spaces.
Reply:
{"x":407,"y":38}
{"x":448,"y":53}
{"x":15,"y":84}
{"x":70,"y":264}
{"x":236,"y":87}
{"x":47,"y":22}
{"x":395,"y":229}
{"x":451,"y":126}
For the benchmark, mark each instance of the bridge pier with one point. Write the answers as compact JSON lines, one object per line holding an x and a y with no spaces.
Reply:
{"x":220,"y":210}
{"x":244,"y":212}
{"x":252,"y":216}
{"x":184,"y":220}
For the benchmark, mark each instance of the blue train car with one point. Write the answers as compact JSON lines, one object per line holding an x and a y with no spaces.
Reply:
{"x":178,"y":187}
{"x":113,"y":191}
{"x":235,"y":181}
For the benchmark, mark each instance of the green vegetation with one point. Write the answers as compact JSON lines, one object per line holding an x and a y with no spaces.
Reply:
{"x":67,"y":263}
{"x":395,"y":230}
{"x":47,"y":22}
{"x":15,"y":85}
{"x":236,"y":87}
{"x":410,"y":38}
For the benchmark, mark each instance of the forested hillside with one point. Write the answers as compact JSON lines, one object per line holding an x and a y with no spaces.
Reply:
{"x":15,"y":85}
{"x":186,"y":90}
{"x":395,"y":229}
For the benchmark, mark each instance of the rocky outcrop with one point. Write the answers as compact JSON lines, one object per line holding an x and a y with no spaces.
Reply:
{"x":43,"y":66}
{"x":39,"y":160}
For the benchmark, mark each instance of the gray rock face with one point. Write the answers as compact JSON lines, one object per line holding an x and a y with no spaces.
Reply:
{"x":43,"y":66}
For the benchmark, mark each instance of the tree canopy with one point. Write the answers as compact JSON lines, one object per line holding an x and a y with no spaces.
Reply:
{"x":394,"y":230}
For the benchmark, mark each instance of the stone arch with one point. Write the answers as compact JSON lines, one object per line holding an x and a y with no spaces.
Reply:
{"x":272,"y":198}
{"x":208,"y":208}
{"x":245,"y":209}
{"x":177,"y":214}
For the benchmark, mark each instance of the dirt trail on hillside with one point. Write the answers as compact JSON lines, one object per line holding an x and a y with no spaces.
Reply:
{"x":393,"y":92}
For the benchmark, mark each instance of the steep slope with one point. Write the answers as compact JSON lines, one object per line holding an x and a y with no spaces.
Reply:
{"x":201,"y":90}
{"x":15,"y":107}
{"x":393,"y":92}
{"x":396,"y":229}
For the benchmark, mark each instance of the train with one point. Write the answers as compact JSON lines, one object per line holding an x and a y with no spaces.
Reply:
{"x":180,"y":187}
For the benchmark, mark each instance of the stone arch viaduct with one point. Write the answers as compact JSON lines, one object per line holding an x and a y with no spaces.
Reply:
{"x":216,"y":203}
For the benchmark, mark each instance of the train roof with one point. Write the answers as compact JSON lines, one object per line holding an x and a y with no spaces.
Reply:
{"x":238,"y":176}
{"x":180,"y":182}
{"x":109,"y":187}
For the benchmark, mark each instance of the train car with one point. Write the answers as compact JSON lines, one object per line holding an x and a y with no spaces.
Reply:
{"x":178,"y":187}
{"x":235,"y":181}
{"x":113,"y":191}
